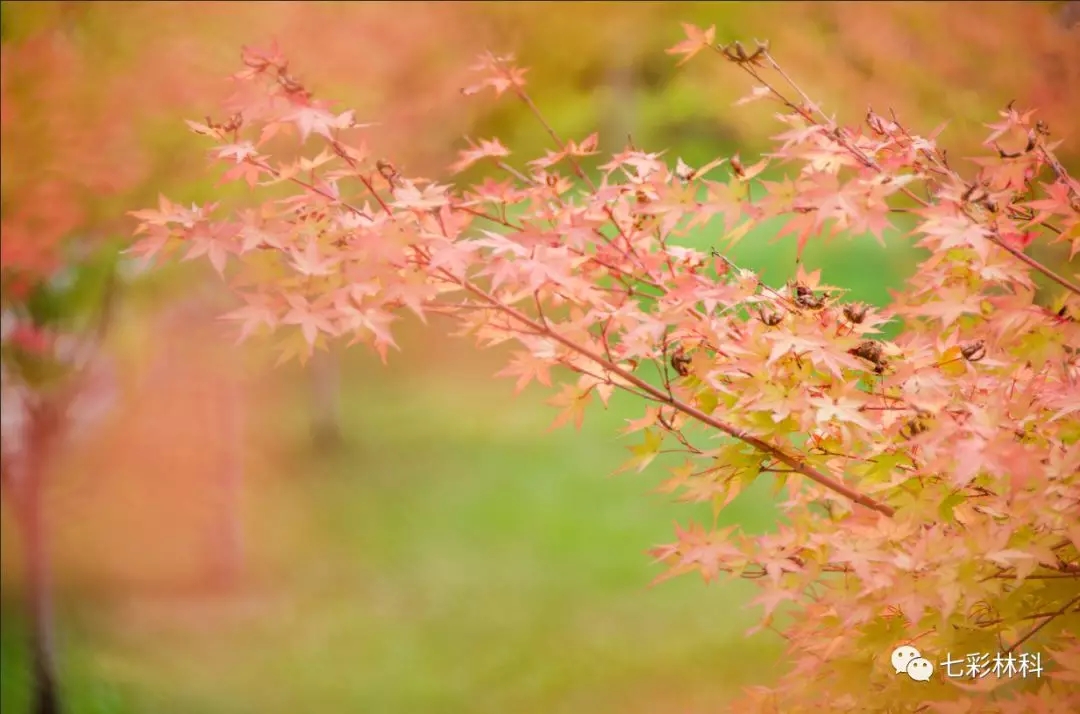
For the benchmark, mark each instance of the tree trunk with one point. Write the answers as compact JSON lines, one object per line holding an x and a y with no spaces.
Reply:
{"x":45,"y":696}
{"x":620,"y":115}
{"x":325,"y":381}
{"x":1069,"y":16}
{"x":229,"y":540}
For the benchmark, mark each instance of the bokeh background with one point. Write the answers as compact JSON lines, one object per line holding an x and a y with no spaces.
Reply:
{"x":231,"y":537}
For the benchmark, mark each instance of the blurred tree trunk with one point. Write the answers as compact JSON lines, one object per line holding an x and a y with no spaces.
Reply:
{"x":27,"y":487}
{"x":1069,"y":15}
{"x":45,"y":695}
{"x":619,"y":117}
{"x":195,"y":388}
{"x":324,"y":373}
{"x":228,"y":521}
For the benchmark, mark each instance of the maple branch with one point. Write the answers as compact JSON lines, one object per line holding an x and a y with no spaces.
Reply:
{"x":1056,"y":166}
{"x":618,"y":272}
{"x":539,"y":309}
{"x":669,"y":426}
{"x":780,"y":70}
{"x":1048,"y":619}
{"x":514,"y":172}
{"x":941,"y":166}
{"x":1033,"y":616}
{"x":309,"y":187}
{"x":561,"y":145}
{"x":1023,"y":257}
{"x":604,"y":379}
{"x":795,"y":463}
{"x":835,"y":133}
{"x":779,"y":454}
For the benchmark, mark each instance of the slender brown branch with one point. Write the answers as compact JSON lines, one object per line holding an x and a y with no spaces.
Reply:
{"x":1059,"y":170}
{"x":1046,"y":621}
{"x":561,"y":145}
{"x":514,"y":172}
{"x":779,"y":454}
{"x":837,"y":135}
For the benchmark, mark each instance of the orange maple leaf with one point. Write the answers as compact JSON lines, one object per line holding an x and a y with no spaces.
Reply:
{"x":696,"y":40}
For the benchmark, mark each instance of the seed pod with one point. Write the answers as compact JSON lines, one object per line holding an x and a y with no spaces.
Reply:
{"x":871,"y":351}
{"x":737,"y":167}
{"x":914,"y":427}
{"x":805,"y":297}
{"x":855,"y":312}
{"x":770,"y":317}
{"x":680,"y":362}
{"x":974,"y":352}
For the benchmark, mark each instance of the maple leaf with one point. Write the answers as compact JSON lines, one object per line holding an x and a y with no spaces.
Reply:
{"x":253,"y":315}
{"x":759,"y":92}
{"x":587,"y":147}
{"x":644,"y":164}
{"x":550,"y":159}
{"x":250,"y":173}
{"x":802,"y":225}
{"x":372,"y":321}
{"x":1019,"y":241}
{"x":211,"y":242}
{"x":237,"y":152}
{"x":1057,"y":200}
{"x":840,"y":409}
{"x":453,"y":258}
{"x":313,"y":120}
{"x":492,"y":148}
{"x":952,"y":303}
{"x":502,"y":75}
{"x":783,"y":343}
{"x":252,"y":237}
{"x":311,"y":320}
{"x":527,"y":366}
{"x":645,"y":452}
{"x":696,"y":40}
{"x":203,"y":130}
{"x":311,"y":260}
{"x":573,"y":401}
{"x":156,"y":238}
{"x":409,"y":196}
{"x":771,"y":599}
{"x":679,"y":477}
{"x":650,"y":418}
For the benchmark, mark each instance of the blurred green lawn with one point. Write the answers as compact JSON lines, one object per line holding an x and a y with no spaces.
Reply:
{"x":453,"y":557}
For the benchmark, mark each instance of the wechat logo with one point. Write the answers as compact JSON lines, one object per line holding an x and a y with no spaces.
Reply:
{"x":907,"y":660}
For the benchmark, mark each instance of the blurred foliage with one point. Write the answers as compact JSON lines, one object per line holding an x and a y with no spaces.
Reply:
{"x":927,"y":61}
{"x":486,"y":570}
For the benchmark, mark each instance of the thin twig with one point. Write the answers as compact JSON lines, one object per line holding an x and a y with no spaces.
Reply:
{"x":1048,"y":619}
{"x":837,"y":135}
